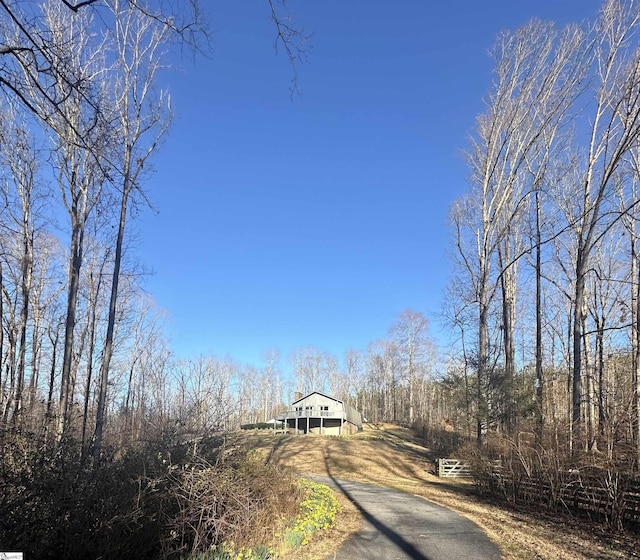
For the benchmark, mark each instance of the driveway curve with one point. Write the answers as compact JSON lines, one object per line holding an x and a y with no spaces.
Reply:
{"x":398,"y":525}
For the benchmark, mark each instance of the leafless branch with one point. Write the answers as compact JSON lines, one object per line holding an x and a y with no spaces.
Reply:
{"x":294,"y":42}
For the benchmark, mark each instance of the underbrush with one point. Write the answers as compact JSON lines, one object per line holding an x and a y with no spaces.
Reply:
{"x":317,"y":512}
{"x":531,"y":474}
{"x":158,"y":501}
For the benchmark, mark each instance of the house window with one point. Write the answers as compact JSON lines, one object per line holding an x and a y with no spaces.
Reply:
{"x":324,"y":411}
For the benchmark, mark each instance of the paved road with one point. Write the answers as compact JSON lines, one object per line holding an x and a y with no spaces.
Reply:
{"x":398,"y":525}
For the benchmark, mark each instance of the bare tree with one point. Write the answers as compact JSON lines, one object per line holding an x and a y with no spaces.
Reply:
{"x":205,"y":400}
{"x":19,"y":157}
{"x":76,"y":124}
{"x":309,"y":370}
{"x":630,"y":217}
{"x":410,"y":333}
{"x":142,"y":117}
{"x":86,"y":70}
{"x":269,"y":384}
{"x":354,"y":371}
{"x":537,"y":75}
{"x":28,"y":62}
{"x":614,"y":129}
{"x":384,"y":399}
{"x":607,"y":289}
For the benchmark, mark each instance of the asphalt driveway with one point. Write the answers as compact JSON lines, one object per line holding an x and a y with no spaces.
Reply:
{"x":398,"y":525}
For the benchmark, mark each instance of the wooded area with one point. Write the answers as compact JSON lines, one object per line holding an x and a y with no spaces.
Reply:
{"x":545,"y":291}
{"x":544,"y":297}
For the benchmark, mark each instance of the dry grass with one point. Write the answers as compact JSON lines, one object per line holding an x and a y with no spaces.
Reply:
{"x":392,"y":456}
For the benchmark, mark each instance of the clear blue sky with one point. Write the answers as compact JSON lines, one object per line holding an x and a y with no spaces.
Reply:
{"x":314,"y":221}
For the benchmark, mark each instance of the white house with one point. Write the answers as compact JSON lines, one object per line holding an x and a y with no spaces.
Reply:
{"x":321,"y":414}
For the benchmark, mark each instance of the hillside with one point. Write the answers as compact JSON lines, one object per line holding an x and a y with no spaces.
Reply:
{"x":392,"y":456}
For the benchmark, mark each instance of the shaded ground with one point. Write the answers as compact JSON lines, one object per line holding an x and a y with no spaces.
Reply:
{"x":391,"y":456}
{"x":398,"y":525}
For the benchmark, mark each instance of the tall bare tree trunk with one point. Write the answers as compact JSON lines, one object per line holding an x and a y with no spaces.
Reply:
{"x":2,"y":396}
{"x":92,"y":326}
{"x":602,"y":403}
{"x":577,"y":439}
{"x":80,"y":138}
{"x":75,"y":262}
{"x":636,"y":375}
{"x":2,"y":359}
{"x":25,"y":288}
{"x":107,"y":352}
{"x":508,"y":289}
{"x":48,"y":417}
{"x":539,"y":356}
{"x":635,"y":342}
{"x":36,"y":348}
{"x":589,"y":390}
{"x":482,"y":402}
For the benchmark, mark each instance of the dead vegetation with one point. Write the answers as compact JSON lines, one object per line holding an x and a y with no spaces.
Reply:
{"x":162,"y":500}
{"x":393,"y":456}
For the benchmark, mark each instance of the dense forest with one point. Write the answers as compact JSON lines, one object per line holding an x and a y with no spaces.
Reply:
{"x":543,"y":305}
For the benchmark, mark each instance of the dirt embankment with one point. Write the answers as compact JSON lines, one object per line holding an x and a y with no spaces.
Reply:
{"x":392,"y":456}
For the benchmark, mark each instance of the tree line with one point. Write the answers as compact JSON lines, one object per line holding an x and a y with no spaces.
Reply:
{"x":544,"y":297}
{"x":82,"y":114}
{"x":545,"y":288}
{"x":83,"y":353}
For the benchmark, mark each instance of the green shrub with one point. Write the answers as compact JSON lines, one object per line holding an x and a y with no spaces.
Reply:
{"x":317,"y":512}
{"x":263,"y":426}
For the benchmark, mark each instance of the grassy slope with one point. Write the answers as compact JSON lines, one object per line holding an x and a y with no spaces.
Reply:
{"x":392,"y":456}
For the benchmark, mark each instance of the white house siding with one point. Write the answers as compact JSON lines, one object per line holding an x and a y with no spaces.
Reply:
{"x":317,"y":400}
{"x":319,"y":413}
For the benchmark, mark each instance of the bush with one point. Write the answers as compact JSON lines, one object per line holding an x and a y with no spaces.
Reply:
{"x":263,"y":426}
{"x":238,"y":500}
{"x":56,"y":506}
{"x":159,"y":501}
{"x":318,"y":511}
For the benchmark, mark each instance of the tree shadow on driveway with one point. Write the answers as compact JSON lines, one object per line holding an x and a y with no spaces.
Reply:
{"x":391,"y":535}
